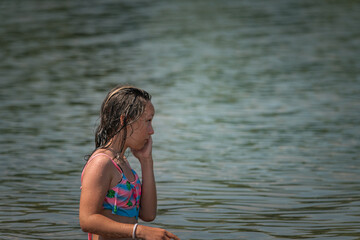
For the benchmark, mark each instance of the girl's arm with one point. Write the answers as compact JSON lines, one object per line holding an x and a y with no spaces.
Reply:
{"x":96,"y":180}
{"x":148,"y":201}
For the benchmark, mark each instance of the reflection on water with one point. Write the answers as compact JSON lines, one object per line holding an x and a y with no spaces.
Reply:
{"x":257,"y":112}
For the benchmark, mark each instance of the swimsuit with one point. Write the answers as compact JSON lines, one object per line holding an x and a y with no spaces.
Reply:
{"x":124,"y":198}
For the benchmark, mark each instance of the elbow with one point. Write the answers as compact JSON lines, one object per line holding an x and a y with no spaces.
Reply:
{"x":148,"y":218}
{"x":84,"y":228}
{"x":84,"y":225}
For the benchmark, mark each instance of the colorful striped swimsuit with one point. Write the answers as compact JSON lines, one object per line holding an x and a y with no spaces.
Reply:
{"x":124,"y":198}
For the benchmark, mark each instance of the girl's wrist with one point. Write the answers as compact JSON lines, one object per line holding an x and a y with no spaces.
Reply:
{"x":138,"y":232}
{"x":146,"y":161}
{"x":134,"y":231}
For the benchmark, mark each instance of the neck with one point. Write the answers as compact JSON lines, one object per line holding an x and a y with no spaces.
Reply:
{"x":114,"y":147}
{"x":116,"y":153}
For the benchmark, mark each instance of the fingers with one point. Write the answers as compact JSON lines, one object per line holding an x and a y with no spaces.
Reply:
{"x":150,"y":233}
{"x":170,"y":235}
{"x":146,"y":148}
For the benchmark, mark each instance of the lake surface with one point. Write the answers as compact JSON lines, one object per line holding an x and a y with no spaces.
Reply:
{"x":257,"y":112}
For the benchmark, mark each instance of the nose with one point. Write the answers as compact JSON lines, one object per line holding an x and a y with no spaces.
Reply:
{"x":151,"y":130}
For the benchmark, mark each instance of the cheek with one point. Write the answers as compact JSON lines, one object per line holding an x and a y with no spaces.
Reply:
{"x":139,"y":132}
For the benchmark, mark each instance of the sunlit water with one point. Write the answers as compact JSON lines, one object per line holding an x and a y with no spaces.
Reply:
{"x":257,"y":112}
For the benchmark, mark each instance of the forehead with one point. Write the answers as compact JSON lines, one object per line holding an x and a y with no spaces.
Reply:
{"x":149,"y":109}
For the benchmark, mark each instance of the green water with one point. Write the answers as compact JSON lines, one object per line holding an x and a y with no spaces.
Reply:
{"x":257,"y":112}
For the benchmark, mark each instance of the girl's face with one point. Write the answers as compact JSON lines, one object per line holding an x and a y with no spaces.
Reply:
{"x":140,"y":131}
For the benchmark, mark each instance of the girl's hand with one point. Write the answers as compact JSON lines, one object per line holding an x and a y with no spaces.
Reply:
{"x":150,"y":233}
{"x":145,"y":153}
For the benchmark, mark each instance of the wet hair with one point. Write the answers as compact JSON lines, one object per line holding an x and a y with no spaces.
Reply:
{"x":127,"y":102}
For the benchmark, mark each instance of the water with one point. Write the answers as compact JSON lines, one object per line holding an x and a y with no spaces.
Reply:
{"x":257,"y":112}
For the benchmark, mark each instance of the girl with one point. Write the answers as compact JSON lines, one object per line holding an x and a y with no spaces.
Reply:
{"x":112,"y":196}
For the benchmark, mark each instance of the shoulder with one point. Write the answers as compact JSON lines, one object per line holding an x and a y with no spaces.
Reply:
{"x":98,"y":167}
{"x":99,"y":160}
